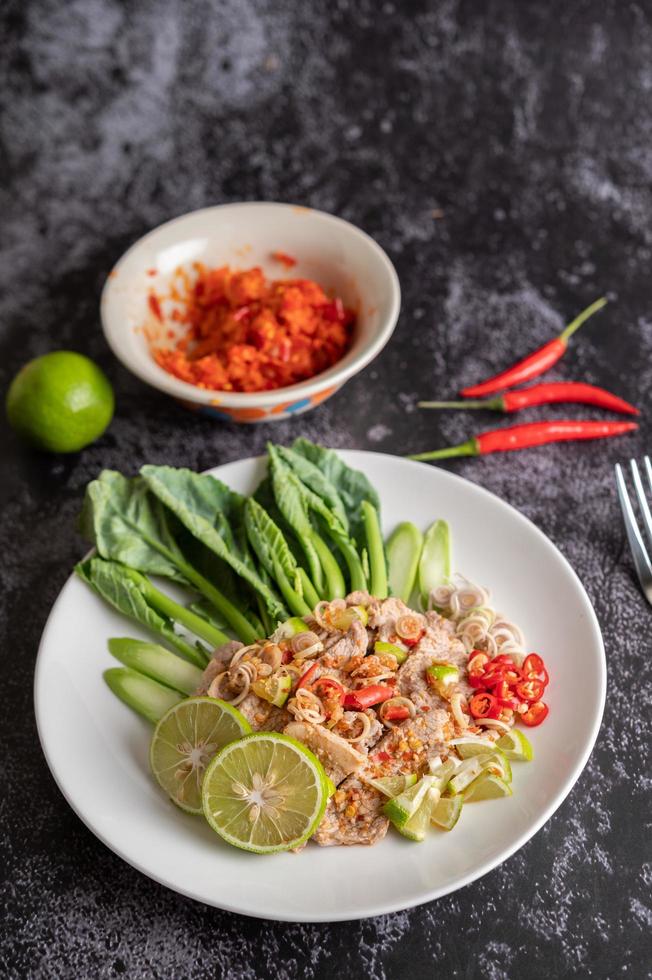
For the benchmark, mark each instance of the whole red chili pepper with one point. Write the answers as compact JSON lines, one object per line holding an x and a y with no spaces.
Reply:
{"x":532,"y":434}
{"x":575,"y":392}
{"x":535,"y":363}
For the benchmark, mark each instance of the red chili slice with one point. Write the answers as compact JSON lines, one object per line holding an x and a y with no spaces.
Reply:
{"x":535,"y":714}
{"x":327,"y":687}
{"x":535,"y":669}
{"x":306,"y":678}
{"x":494,"y":674}
{"x":476,"y":679}
{"x":397,"y":712}
{"x":530,"y":690}
{"x":505,"y":695}
{"x":484,"y":705}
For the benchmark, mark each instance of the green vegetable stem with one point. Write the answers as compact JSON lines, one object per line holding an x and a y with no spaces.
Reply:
{"x":375,"y":550}
{"x":116,"y":584}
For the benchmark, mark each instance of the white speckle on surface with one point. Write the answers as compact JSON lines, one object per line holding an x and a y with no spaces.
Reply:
{"x":378,"y":432}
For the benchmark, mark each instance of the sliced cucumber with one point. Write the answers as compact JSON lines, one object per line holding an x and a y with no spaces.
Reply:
{"x":149,"y":698}
{"x":403,"y":553}
{"x":158,"y":663}
{"x":435,"y":561}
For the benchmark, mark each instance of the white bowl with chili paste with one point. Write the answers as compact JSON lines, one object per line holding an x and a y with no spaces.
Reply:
{"x":145,"y":313}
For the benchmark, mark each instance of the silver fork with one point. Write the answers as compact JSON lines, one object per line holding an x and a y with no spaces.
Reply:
{"x":640,"y":554}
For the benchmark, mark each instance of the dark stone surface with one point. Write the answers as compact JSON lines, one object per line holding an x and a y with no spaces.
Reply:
{"x":528,"y":126}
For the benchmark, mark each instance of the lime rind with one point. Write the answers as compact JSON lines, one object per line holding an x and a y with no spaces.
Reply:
{"x":417,"y":826}
{"x":469,"y":745}
{"x":184,"y":741}
{"x":487,"y":786}
{"x":249,"y":774}
{"x":516,"y":746}
{"x":442,"y":774}
{"x":465,"y":774}
{"x":392,"y":786}
{"x":400,"y":809}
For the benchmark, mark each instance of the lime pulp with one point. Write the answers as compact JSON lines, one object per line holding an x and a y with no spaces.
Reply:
{"x":265,"y":793}
{"x":185,"y":740}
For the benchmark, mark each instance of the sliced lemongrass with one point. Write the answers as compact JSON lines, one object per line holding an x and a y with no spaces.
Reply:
{"x":496,"y":723}
{"x":456,"y":702}
{"x":365,"y":721}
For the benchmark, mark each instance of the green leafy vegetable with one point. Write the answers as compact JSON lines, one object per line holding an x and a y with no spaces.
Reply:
{"x":215,"y":516}
{"x":129,"y":525}
{"x":352,"y":485}
{"x":318,"y":482}
{"x":118,"y":586}
{"x":286,"y":488}
{"x":329,"y":520}
{"x":336,"y":531}
{"x":125,"y":523}
{"x":274,"y":555}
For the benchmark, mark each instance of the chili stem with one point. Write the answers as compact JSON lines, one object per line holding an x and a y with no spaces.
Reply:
{"x":468,"y":448}
{"x":491,"y":404}
{"x":581,"y":318}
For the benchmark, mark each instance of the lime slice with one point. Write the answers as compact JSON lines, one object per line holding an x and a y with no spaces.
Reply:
{"x":465,"y":774}
{"x":497,"y":763}
{"x":487,"y":753}
{"x":393,"y":785}
{"x":402,"y":807}
{"x":442,"y":773}
{"x":350,"y":615}
{"x":442,"y":676}
{"x":275,"y":689}
{"x":265,"y":793}
{"x":330,"y":787}
{"x":289,"y":628}
{"x":417,"y":826}
{"x":486,"y":787}
{"x":470,"y":745}
{"x":516,"y":746}
{"x":184,"y":742}
{"x":447,"y":812}
{"x":382,"y":646}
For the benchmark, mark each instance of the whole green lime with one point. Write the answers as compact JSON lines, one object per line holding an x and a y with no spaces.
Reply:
{"x":60,"y":402}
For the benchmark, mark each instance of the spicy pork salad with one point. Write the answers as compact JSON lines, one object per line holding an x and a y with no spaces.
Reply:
{"x":315,"y":682}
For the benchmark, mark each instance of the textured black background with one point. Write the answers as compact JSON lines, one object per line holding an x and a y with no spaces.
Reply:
{"x":528,"y":126}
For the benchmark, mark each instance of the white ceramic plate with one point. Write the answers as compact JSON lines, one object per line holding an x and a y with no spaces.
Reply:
{"x":97,"y":749}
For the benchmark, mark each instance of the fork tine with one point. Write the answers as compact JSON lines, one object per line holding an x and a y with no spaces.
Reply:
{"x":648,"y":470}
{"x":642,"y":500}
{"x":639,"y":554}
